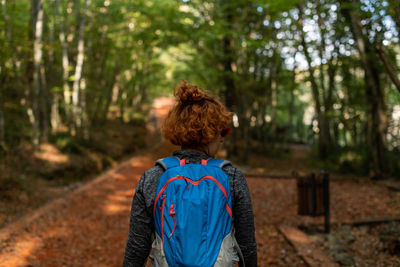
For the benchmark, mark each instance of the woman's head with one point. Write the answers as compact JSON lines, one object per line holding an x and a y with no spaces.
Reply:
{"x":197,"y":119}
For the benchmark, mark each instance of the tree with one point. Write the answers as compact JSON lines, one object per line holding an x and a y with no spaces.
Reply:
{"x":377,"y":111}
{"x":37,"y":22}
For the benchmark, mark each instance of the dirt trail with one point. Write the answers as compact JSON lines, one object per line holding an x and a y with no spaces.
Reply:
{"x":89,"y":227}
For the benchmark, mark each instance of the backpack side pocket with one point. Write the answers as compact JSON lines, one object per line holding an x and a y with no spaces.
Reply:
{"x":157,"y":254}
{"x":228,"y":255}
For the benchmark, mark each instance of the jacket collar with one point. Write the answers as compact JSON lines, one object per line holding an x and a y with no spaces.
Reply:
{"x":188,"y":153}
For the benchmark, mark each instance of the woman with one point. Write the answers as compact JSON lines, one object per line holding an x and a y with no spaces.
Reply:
{"x":198,"y":123}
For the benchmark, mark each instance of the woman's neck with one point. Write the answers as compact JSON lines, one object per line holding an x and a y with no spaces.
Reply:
{"x":195,"y":149}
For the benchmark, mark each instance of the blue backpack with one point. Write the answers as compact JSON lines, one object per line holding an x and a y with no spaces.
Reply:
{"x":193,"y":215}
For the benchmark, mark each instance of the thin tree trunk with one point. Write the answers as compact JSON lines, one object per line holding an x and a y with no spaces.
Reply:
{"x":55,"y":118}
{"x":322,"y":142}
{"x":37,"y":62}
{"x":291,"y":103}
{"x":2,"y":133}
{"x":65,"y":63}
{"x":321,"y":48}
{"x":377,"y":114}
{"x":8,"y":35}
{"x":327,"y":103}
{"x":227,"y":77}
{"x":77,"y":111}
{"x":114,"y":83}
{"x":10,"y":41}
{"x":83,"y":108}
{"x":43,"y":105}
{"x":389,"y":69}
{"x":122,"y":103}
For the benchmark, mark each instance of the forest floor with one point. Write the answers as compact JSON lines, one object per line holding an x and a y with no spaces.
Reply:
{"x":89,"y":226}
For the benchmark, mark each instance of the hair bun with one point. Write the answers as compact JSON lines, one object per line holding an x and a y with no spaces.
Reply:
{"x":188,"y":93}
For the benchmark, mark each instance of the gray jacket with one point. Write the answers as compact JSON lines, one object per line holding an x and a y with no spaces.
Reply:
{"x":141,"y":230}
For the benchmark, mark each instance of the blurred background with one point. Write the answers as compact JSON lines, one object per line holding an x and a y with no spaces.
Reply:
{"x":313,"y":85}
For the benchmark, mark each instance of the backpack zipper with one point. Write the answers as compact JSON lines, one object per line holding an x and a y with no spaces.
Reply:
{"x":228,"y":209}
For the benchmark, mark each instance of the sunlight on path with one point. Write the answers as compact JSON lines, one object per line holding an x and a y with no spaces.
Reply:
{"x":88,"y":227}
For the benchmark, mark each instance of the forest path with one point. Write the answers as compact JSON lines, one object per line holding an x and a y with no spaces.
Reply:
{"x":89,"y":227}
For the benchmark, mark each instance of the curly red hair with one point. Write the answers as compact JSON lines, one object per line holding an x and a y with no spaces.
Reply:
{"x":196,"y":119}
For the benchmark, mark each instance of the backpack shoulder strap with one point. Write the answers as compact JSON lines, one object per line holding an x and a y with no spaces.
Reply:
{"x":169,"y":162}
{"x":219,"y":163}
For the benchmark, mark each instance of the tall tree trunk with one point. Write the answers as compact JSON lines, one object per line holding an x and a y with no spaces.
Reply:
{"x":2,"y":133}
{"x":377,"y":113}
{"x":323,"y":145}
{"x":77,"y":109}
{"x":37,"y":63}
{"x":389,"y":69}
{"x":122,"y":97}
{"x":65,"y":63}
{"x":326,"y":96}
{"x":114,"y":82}
{"x":328,"y":100}
{"x":55,"y":118}
{"x":9,"y":37}
{"x":2,"y":71}
{"x":291,"y":103}
{"x":43,"y":105}
{"x":227,"y":77}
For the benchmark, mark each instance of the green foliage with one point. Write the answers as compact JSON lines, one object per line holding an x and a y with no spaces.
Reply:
{"x":249,"y":51}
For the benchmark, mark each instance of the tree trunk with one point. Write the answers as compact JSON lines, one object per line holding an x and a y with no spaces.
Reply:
{"x":114,"y":83}
{"x":10,"y":41}
{"x":122,"y":97}
{"x":326,"y":96}
{"x":2,"y":133}
{"x":389,"y":69}
{"x":76,"y":108}
{"x":227,"y":77}
{"x":37,"y":62}
{"x":55,"y":118}
{"x":65,"y":63}
{"x":8,"y":35}
{"x":43,"y":105}
{"x":328,"y":101}
{"x":323,"y":143}
{"x":377,"y":113}
{"x":291,"y":103}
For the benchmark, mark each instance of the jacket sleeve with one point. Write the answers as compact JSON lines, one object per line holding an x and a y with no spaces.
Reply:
{"x":244,"y":220}
{"x":141,"y":229}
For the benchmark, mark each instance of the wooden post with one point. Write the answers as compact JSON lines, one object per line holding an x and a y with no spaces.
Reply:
{"x":313,"y":195}
{"x":326,"y":200}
